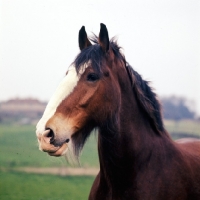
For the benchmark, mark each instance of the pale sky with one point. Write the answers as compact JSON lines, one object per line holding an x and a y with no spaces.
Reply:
{"x":39,"y":40}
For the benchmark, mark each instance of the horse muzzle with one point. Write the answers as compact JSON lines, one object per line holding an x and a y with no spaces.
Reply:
{"x":46,"y":144}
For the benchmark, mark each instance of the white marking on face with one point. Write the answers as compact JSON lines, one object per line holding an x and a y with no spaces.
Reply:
{"x":64,"y":89}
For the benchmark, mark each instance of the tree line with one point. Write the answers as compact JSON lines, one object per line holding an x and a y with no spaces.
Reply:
{"x":174,"y":108}
{"x":177,"y":108}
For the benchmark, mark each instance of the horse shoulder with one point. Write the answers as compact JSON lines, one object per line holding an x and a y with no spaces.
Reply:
{"x":190,"y":146}
{"x":190,"y":150}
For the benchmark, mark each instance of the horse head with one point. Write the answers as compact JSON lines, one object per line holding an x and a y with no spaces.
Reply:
{"x":87,"y":97}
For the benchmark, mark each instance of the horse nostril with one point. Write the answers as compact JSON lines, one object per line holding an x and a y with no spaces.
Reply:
{"x":51,"y":135}
{"x":67,"y":140}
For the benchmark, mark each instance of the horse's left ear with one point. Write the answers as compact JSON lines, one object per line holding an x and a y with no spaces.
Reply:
{"x":82,"y":39}
{"x":104,"y":38}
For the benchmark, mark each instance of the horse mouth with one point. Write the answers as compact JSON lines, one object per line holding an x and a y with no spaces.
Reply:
{"x":46,"y":145}
{"x":60,"y":151}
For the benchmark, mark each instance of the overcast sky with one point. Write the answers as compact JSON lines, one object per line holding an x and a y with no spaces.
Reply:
{"x":39,"y":40}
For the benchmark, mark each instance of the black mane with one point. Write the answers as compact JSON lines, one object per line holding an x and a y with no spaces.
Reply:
{"x":147,"y":99}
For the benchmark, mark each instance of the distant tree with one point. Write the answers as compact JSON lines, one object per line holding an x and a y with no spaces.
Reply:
{"x":176,"y":108}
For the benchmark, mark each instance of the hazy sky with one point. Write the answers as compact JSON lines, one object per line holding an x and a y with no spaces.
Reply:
{"x":39,"y":40}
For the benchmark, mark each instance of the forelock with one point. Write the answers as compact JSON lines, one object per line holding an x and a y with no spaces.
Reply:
{"x":95,"y":55}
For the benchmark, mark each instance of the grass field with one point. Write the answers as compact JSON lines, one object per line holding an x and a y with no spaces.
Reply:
{"x":19,"y":148}
{"x":21,"y":186}
{"x":184,"y":128}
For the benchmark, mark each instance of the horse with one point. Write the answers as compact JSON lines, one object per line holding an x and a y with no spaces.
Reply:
{"x":137,"y":157}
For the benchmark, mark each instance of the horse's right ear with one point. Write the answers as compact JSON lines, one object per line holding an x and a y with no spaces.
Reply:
{"x":104,"y":38}
{"x":82,"y":39}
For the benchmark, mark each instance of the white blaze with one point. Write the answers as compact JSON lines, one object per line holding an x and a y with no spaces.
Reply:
{"x":64,"y":89}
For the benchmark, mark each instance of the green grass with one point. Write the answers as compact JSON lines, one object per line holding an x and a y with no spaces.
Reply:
{"x":22,"y":186}
{"x":18,"y":147}
{"x":184,"y":128}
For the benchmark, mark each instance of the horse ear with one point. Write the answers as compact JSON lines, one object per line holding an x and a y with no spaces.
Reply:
{"x":82,"y":39}
{"x":104,"y":38}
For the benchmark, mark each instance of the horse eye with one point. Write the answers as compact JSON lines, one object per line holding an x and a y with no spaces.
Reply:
{"x":92,"y":77}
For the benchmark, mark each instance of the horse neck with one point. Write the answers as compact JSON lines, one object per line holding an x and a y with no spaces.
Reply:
{"x":126,"y":144}
{"x":127,"y":133}
{"x":128,"y":126}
